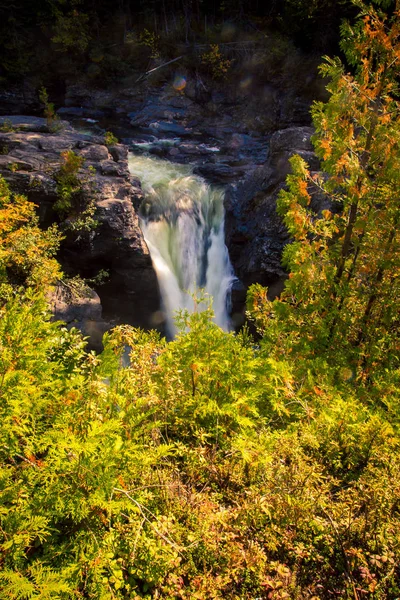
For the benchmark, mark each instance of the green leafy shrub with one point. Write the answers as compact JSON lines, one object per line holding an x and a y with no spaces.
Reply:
{"x":215,"y":63}
{"x":6,"y":126}
{"x":26,"y":252}
{"x":110,"y":139}
{"x":69,"y":185}
{"x":76,"y":194}
{"x":150,"y":40}
{"x":176,"y":476}
{"x":53,"y":121}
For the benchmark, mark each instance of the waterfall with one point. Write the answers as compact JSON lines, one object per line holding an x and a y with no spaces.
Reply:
{"x":182,"y":219}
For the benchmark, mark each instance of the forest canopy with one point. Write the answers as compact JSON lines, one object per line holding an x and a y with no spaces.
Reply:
{"x":58,"y":40}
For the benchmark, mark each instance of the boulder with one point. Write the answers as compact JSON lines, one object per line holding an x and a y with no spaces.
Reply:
{"x":291,"y":140}
{"x":71,"y":305}
{"x":80,"y":308}
{"x":119,"y":152}
{"x":95,"y":152}
{"x":219,"y":173}
{"x":169,"y":128}
{"x":110,"y":168}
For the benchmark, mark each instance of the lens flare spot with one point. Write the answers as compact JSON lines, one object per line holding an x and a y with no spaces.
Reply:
{"x":179,"y":83}
{"x":246,"y":83}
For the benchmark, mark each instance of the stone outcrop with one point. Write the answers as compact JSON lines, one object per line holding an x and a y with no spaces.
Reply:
{"x":222,"y":129}
{"x":255,"y":235}
{"x":81,"y":309}
{"x":31,"y":156}
{"x":225,"y":133}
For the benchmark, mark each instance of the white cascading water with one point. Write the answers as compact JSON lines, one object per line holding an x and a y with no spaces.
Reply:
{"x":182,"y":220}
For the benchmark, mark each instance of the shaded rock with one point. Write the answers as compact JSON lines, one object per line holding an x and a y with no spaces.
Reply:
{"x":294,"y":111}
{"x":24,"y":123}
{"x":81,"y":310}
{"x":16,"y":163}
{"x":55,"y":144}
{"x":285,"y":143}
{"x":180,"y":102}
{"x":238,"y":302}
{"x":291,"y":140}
{"x":131,"y":293}
{"x":69,"y":305}
{"x":18,"y":181}
{"x":219,"y":173}
{"x":19,"y":99}
{"x":170,"y":128}
{"x":194,"y":149}
{"x":95,"y":152}
{"x":255,"y":234}
{"x":155,"y":112}
{"x":114,"y":169}
{"x":81,"y":111}
{"x":119,"y":152}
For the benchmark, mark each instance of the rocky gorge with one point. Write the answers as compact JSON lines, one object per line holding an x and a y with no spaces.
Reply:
{"x":213,"y":132}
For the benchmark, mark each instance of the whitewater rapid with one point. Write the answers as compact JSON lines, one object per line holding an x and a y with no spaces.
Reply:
{"x":182,"y":219}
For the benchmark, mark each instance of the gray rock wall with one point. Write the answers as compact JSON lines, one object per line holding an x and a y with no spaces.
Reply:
{"x":255,"y":234}
{"x":31,"y":156}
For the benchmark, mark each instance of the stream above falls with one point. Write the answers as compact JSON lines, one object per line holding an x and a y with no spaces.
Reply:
{"x":182,"y":219}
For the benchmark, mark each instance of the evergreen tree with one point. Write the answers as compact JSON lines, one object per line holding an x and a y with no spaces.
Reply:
{"x":344,"y":262}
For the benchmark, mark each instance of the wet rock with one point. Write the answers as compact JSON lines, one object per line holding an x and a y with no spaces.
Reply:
{"x":238,"y":302}
{"x":180,"y":102}
{"x":81,"y":111}
{"x":153,"y":112}
{"x":164,"y":151}
{"x":219,"y":173}
{"x":170,"y":128}
{"x":194,"y":149}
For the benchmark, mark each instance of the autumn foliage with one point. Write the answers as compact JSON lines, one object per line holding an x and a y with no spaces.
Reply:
{"x":344,"y":262}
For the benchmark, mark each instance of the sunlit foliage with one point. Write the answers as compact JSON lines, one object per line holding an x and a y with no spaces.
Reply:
{"x":213,"y":467}
{"x":344,"y":262}
{"x":26,"y":252}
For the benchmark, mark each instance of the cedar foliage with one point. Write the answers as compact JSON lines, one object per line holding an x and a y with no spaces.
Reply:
{"x":210,"y":467}
{"x":344,"y":262}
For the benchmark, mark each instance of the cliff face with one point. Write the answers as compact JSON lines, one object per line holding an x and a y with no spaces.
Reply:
{"x":255,"y":234}
{"x":31,"y":156}
{"x":231,"y":137}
